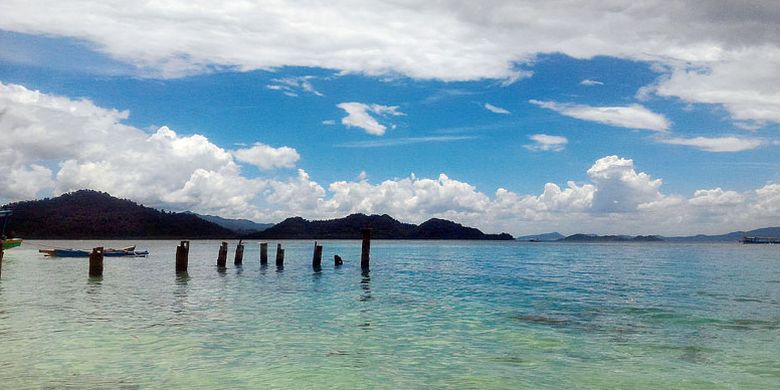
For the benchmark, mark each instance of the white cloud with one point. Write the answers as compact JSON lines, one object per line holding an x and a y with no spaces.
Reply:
{"x":590,"y":83}
{"x":633,"y":116}
{"x":715,"y":144}
{"x":379,"y":143}
{"x":54,"y":144}
{"x":359,"y":115}
{"x":290,"y":86}
{"x":266,"y":157}
{"x":547,"y":143}
{"x":329,"y":122}
{"x":619,"y":188}
{"x":496,"y":109}
{"x":715,"y":52}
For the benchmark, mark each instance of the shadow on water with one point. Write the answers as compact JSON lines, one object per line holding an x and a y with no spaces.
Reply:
{"x":239,"y":270}
{"x":279,"y":269}
{"x":222,"y":271}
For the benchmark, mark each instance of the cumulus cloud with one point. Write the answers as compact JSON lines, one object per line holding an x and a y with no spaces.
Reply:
{"x":633,"y":116}
{"x":715,"y":144}
{"x":360,"y":115}
{"x":590,"y":83}
{"x":53,"y":144}
{"x":546,"y":143}
{"x":266,"y":157}
{"x":496,"y":109}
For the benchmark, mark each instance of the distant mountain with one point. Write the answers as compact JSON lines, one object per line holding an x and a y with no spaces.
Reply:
{"x":541,"y":237}
{"x":384,"y":227}
{"x":240,"y":226}
{"x":91,"y":214}
{"x":608,"y":238}
{"x":733,"y":236}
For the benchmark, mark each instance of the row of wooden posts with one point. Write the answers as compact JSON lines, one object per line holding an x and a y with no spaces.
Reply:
{"x":183,"y":250}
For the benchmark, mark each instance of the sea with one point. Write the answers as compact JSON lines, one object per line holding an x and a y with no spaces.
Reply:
{"x":428,"y":315}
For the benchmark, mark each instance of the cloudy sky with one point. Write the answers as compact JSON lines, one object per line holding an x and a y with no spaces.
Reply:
{"x":651,"y":117}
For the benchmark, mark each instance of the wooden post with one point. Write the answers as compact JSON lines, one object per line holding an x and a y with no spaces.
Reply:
{"x":263,"y":253}
{"x":316,"y":260}
{"x":96,"y":262}
{"x":365,"y":253}
{"x":222,"y":256}
{"x":182,"y":256}
{"x":1,"y":258}
{"x":279,"y":255}
{"x":239,"y":254}
{"x":337,"y":261}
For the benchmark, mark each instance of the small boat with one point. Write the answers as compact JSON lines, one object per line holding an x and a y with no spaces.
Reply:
{"x":108,"y":252}
{"x":760,"y":240}
{"x":7,"y":242}
{"x":11,"y":243}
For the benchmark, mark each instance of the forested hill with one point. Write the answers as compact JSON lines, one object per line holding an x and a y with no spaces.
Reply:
{"x":91,"y":214}
{"x":383,"y":227}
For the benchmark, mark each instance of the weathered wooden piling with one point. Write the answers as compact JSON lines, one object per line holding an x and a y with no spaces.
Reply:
{"x":365,"y":253}
{"x":182,"y":256}
{"x":263,"y":253}
{"x":1,"y":258}
{"x":337,"y":261}
{"x":279,"y":255}
{"x":239,"y":253}
{"x":222,"y":256}
{"x":316,"y":260}
{"x":96,"y":262}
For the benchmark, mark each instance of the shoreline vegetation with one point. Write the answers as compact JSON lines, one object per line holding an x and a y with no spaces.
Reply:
{"x":88,"y":214}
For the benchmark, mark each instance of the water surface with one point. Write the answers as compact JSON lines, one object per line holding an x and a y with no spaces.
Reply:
{"x":428,"y":315}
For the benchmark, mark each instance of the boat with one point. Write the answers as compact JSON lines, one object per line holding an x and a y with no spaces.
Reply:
{"x":107,"y":252}
{"x":7,"y":242}
{"x":760,"y":240}
{"x":11,"y":243}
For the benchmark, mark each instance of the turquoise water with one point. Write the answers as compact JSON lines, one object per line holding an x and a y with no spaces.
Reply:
{"x":429,"y":315}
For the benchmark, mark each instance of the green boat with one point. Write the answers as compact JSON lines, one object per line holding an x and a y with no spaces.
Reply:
{"x":11,"y":243}
{"x":8,"y":243}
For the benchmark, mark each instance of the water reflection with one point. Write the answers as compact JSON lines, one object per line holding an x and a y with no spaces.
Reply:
{"x":365,"y":285}
{"x":180,"y":293}
{"x":239,"y":270}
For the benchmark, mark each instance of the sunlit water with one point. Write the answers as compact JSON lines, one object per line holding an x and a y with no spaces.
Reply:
{"x":428,"y":315}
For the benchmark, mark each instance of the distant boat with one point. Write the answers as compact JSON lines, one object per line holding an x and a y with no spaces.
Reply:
{"x":760,"y":240}
{"x":108,"y":252}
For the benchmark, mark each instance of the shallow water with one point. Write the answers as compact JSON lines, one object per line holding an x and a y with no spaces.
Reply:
{"x":428,"y":315}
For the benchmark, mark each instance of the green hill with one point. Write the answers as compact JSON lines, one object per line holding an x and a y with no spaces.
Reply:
{"x":384,"y":227}
{"x":91,"y":214}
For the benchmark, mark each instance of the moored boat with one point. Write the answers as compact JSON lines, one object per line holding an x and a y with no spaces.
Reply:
{"x":760,"y":240}
{"x":7,"y":242}
{"x":11,"y":243}
{"x":108,"y":252}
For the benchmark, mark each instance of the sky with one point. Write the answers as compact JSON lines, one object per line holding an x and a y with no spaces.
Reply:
{"x":651,"y":117}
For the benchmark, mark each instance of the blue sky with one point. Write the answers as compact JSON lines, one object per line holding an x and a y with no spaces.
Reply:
{"x":695,"y":144}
